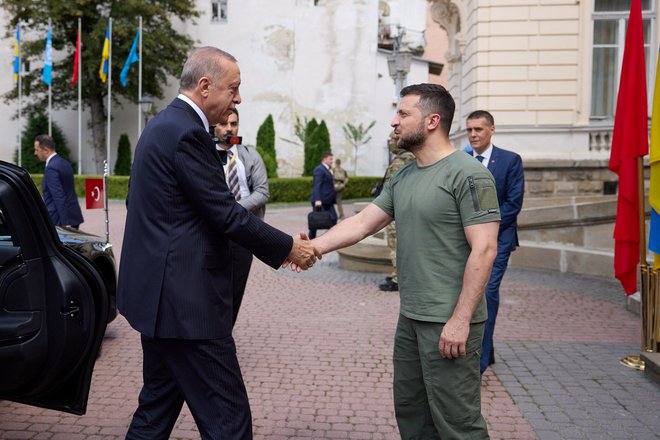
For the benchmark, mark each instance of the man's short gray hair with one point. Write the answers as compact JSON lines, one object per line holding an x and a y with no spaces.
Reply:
{"x":203,"y":61}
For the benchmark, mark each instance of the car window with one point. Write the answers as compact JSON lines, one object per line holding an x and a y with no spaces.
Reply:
{"x":6,"y":238}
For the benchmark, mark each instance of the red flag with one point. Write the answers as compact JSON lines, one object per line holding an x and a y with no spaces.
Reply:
{"x":629,"y":142}
{"x":76,"y":61}
{"x":94,"y":194}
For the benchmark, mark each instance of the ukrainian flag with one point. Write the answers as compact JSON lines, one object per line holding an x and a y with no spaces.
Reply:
{"x":17,"y":52}
{"x":654,"y":159}
{"x":103,"y":70}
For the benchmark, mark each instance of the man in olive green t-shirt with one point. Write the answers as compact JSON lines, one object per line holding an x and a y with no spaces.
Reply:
{"x":446,"y":212}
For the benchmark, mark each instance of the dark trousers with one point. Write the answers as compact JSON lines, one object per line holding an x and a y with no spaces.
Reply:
{"x":241,"y":262}
{"x":203,"y":373}
{"x":493,"y":304}
{"x":333,"y":214}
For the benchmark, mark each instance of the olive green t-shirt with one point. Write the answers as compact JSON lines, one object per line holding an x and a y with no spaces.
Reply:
{"x":431,"y":206}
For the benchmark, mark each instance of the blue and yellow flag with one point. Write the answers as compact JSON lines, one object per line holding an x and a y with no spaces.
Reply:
{"x":47,"y":75}
{"x":132,"y":58}
{"x":103,"y":70}
{"x":17,"y":52}
{"x":654,"y":159}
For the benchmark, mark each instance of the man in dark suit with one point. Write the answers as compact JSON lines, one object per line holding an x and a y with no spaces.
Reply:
{"x":252,"y":184}
{"x":57,"y":186}
{"x":175,"y":275}
{"x":323,"y":189}
{"x":507,"y":169}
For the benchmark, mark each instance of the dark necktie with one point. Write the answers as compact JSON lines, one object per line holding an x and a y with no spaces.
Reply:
{"x":480,"y":158}
{"x":223,"y":156}
{"x":232,"y":176}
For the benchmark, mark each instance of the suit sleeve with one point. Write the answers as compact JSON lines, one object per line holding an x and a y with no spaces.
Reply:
{"x":54,"y":184}
{"x":316,"y":184}
{"x":210,"y":195}
{"x":515,"y":188}
{"x":259,"y":193}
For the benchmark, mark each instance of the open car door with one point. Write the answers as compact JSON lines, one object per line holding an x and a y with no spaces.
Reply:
{"x":53,"y":304}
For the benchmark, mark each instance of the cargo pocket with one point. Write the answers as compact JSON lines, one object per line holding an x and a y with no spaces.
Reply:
{"x":483,"y":193}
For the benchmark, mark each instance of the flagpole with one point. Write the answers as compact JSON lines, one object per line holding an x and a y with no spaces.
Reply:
{"x":106,"y":173}
{"x":50,"y":98}
{"x":20,"y":96}
{"x":79,"y":97}
{"x":107,"y":143}
{"x":139,"y":107}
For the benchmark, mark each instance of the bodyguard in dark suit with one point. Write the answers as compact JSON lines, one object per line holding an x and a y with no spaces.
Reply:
{"x":323,"y":189}
{"x":57,"y":186}
{"x":175,"y":275}
{"x":506,"y":167}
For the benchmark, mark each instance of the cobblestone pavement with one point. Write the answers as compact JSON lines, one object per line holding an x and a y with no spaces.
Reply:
{"x":315,"y":350}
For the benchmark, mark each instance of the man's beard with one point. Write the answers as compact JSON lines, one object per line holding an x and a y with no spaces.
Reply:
{"x":414,"y":141}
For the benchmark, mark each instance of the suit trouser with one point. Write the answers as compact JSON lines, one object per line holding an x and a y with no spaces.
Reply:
{"x":203,"y":373}
{"x":493,"y":304}
{"x":241,"y":262}
{"x":436,"y":398}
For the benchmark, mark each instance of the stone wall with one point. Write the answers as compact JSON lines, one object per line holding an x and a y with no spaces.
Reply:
{"x":545,"y":178}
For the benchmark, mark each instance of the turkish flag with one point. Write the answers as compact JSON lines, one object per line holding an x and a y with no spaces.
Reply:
{"x":94,"y":194}
{"x":629,"y":142}
{"x":76,"y":62}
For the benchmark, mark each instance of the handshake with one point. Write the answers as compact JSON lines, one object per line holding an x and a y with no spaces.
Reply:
{"x":303,"y":254}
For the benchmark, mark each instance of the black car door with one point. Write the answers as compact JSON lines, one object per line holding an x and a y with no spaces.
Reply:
{"x":53,"y":304}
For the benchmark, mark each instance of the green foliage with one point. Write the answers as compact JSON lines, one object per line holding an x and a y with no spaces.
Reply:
{"x":310,"y":161}
{"x":163,"y":51}
{"x":37,"y":123}
{"x":356,"y":135}
{"x":123,"y":164}
{"x":317,"y":144}
{"x":300,"y":129}
{"x":266,"y":137}
{"x":282,"y":190}
{"x":269,"y":162}
{"x":266,"y":145}
{"x":298,"y":189}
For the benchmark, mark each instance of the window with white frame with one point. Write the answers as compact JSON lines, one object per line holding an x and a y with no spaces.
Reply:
{"x":218,"y":10}
{"x":610,"y":19}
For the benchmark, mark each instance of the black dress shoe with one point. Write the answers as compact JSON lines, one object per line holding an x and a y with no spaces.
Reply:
{"x":389,"y":286}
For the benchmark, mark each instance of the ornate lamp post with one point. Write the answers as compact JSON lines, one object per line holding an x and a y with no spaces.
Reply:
{"x":398,"y":64}
{"x":146,"y":103}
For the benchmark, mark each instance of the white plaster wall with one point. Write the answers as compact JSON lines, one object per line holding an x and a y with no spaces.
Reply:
{"x":295,"y":58}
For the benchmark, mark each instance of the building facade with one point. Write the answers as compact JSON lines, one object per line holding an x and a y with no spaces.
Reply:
{"x":547,"y":70}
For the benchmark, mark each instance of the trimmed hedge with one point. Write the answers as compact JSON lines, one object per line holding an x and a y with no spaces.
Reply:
{"x":282,"y":190}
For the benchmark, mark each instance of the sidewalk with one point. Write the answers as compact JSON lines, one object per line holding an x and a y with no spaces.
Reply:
{"x":315,"y":350}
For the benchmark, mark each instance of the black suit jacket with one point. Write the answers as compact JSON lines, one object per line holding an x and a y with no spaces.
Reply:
{"x":59,"y":193}
{"x":175,"y":274}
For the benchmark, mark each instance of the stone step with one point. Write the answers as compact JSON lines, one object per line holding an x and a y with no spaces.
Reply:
{"x":369,"y":255}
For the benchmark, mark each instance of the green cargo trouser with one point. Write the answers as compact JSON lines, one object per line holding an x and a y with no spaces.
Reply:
{"x":436,"y":398}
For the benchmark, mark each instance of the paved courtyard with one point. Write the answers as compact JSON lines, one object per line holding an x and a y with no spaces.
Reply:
{"x":315,"y":350}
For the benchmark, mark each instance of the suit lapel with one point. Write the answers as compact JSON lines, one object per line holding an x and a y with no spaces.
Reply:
{"x":494,"y":160}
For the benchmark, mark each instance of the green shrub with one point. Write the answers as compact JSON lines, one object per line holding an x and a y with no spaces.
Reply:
{"x":298,"y":189}
{"x":282,"y":190}
{"x":37,"y":123}
{"x":123,"y":163}
{"x":266,"y":137}
{"x":310,"y":161}
{"x":269,"y":162}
